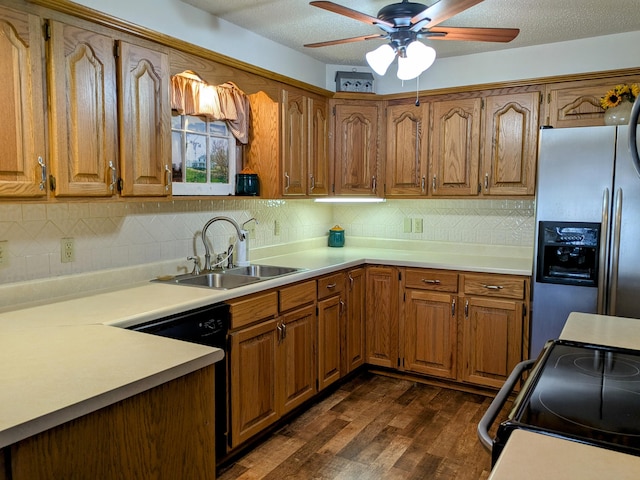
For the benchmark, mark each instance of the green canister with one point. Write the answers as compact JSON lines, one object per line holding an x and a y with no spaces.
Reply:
{"x":336,"y":236}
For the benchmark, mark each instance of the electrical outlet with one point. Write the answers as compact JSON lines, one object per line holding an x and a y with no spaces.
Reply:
{"x":407,"y":225}
{"x":276,"y":228}
{"x":4,"y":254}
{"x":417,"y":225}
{"x":67,"y":250}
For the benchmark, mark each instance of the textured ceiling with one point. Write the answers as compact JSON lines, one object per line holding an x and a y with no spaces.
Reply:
{"x":294,"y":23}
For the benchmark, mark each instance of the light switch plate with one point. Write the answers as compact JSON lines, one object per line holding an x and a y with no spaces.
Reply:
{"x":417,"y":225}
{"x":407,"y":225}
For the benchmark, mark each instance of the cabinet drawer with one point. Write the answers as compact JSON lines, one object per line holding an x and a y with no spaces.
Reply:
{"x":247,"y":310}
{"x":495,"y":286}
{"x":331,"y":285}
{"x":296,"y":295}
{"x":428,"y":279}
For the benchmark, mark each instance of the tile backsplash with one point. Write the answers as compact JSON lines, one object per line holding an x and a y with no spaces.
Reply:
{"x":120,"y":234}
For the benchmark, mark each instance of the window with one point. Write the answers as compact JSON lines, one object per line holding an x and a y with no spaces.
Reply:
{"x":203,"y":156}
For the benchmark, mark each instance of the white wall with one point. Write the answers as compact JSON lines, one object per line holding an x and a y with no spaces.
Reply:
{"x":180,"y":20}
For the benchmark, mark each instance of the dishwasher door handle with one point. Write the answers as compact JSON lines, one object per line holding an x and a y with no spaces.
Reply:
{"x":498,"y":402}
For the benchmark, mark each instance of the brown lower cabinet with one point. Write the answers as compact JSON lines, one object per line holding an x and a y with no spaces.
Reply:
{"x":166,"y":432}
{"x":467,"y":327}
{"x":272,"y":357}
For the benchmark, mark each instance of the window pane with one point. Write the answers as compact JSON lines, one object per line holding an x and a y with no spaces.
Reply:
{"x":195,"y":124}
{"x":196,"y":158}
{"x":219,"y":155}
{"x":176,"y":121}
{"x":176,"y":156}
{"x":218,"y":128}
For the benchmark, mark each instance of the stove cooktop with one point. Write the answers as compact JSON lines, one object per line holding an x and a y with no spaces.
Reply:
{"x":582,"y":392}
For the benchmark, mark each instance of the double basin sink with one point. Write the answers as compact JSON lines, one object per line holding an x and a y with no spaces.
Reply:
{"x":231,"y":277}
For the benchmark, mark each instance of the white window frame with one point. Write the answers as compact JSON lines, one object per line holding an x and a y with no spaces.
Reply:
{"x":179,"y":148}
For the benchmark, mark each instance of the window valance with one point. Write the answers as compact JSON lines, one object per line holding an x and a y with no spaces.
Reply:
{"x":190,"y":95}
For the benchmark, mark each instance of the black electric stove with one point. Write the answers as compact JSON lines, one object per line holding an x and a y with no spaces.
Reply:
{"x":587,"y":393}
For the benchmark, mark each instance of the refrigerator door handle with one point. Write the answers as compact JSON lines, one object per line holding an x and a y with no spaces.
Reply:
{"x":615,"y":252}
{"x":633,"y":144}
{"x":602,"y":254}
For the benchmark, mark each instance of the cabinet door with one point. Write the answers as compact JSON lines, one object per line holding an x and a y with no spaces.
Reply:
{"x":145,"y":116}
{"x":83,"y":124}
{"x":318,"y":147}
{"x":354,"y":336}
{"x":577,"y":103}
{"x":252,"y":382}
{"x":430,"y":333}
{"x":455,"y":147}
{"x":296,"y":358}
{"x":510,"y":144}
{"x":356,"y":149}
{"x":295,"y":146}
{"x":22,"y":157}
{"x":406,"y":165}
{"x":492,"y":340}
{"x":330,"y":313}
{"x":382,"y":316}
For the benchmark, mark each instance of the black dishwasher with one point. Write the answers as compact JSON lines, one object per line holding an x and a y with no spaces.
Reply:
{"x":206,"y":326}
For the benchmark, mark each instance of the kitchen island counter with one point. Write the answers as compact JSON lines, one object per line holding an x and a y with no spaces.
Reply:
{"x":529,"y":455}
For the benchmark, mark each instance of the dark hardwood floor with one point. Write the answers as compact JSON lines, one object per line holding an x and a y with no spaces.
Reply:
{"x":375,"y":427}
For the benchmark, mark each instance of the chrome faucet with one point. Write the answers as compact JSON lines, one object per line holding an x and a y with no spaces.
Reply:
{"x":207,"y":252}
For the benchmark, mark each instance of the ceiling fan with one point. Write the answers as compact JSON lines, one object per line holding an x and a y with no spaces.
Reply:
{"x":403,"y":23}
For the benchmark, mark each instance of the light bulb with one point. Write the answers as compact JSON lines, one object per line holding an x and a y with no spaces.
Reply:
{"x":380,"y":58}
{"x":418,"y":58}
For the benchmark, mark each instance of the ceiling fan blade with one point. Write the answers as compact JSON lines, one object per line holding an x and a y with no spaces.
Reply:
{"x":473,"y":34}
{"x":443,"y":10}
{"x":347,"y":12}
{"x":345,"y":40}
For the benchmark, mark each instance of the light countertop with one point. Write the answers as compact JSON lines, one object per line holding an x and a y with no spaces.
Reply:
{"x":533,"y":456}
{"x":63,"y":358}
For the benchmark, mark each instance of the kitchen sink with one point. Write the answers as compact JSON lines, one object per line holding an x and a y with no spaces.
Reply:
{"x":263,"y":271}
{"x":231,"y":278}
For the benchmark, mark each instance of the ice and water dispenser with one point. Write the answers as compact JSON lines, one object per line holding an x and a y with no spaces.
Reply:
{"x":568,"y":253}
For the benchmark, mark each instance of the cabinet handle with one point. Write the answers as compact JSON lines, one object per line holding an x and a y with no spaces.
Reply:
{"x":331,"y":285}
{"x":373,"y":184}
{"x":466,"y":308}
{"x":167,"y":172}
{"x":423,"y":184}
{"x":492,"y":287}
{"x":453,"y":307}
{"x":342,"y":305}
{"x":433,"y":183}
{"x":313,"y":183}
{"x":43,"y":173}
{"x":486,"y":182}
{"x":288,"y":181}
{"x":350,"y":281}
{"x":431,"y":282}
{"x":112,"y":186}
{"x":284,"y":330}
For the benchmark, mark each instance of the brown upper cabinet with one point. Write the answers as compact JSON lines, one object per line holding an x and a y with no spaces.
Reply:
{"x":83,"y":111}
{"x":357,"y":137}
{"x":295,"y":132}
{"x":407,"y":147}
{"x":22,"y":159}
{"x":145,"y":121}
{"x":577,"y":103}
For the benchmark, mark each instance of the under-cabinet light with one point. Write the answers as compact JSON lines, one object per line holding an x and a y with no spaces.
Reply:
{"x":350,"y":200}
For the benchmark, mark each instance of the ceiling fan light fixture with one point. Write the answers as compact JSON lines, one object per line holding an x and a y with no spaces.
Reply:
{"x":381,"y":58}
{"x":417,"y":59}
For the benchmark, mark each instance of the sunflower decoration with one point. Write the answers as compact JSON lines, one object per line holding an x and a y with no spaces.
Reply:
{"x":619,"y":94}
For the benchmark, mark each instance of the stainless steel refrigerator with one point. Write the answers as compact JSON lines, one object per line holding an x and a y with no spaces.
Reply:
{"x":587,"y":252}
